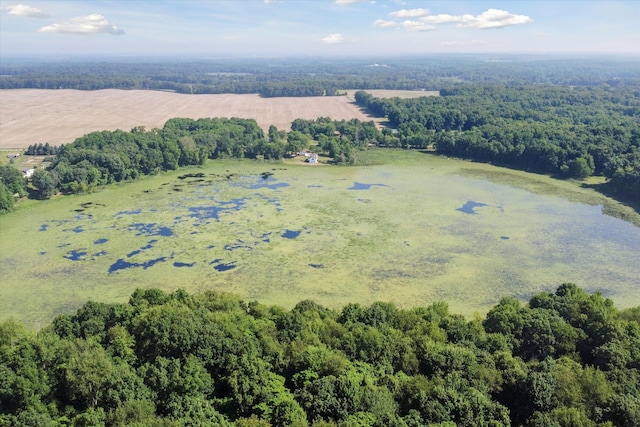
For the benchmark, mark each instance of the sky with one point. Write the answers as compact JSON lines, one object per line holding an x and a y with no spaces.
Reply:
{"x":268,"y":28}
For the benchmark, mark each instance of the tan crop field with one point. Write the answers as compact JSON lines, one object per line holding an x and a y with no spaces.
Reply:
{"x":32,"y":116}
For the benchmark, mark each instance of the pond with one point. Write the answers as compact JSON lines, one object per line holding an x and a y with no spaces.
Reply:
{"x":425,"y":232}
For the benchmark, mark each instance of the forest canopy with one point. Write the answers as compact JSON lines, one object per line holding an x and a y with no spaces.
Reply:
{"x":565,"y":358}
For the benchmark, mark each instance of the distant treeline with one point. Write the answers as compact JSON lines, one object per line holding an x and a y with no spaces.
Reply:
{"x":319,"y":77}
{"x":564,"y":359}
{"x":564,"y":131}
{"x":41,"y":149}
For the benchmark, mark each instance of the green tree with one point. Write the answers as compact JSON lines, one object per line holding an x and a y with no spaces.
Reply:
{"x":45,"y":182}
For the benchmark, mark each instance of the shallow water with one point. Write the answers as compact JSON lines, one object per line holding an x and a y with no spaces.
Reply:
{"x":423,"y":233}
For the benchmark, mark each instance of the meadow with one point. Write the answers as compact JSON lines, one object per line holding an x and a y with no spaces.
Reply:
{"x":410,"y":228}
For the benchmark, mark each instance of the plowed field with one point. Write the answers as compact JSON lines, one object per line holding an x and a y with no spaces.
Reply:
{"x":31,"y":116}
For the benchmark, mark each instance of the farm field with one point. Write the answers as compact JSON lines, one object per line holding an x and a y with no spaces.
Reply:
{"x":411,"y":229}
{"x":32,"y":116}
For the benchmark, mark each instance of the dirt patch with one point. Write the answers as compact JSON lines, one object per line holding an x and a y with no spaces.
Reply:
{"x":32,"y":116}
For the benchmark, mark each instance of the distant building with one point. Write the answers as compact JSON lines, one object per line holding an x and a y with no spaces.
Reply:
{"x":28,"y":173}
{"x":313,"y":158}
{"x":13,"y":156}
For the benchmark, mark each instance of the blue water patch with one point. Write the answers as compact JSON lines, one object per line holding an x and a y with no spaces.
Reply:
{"x":504,"y":237}
{"x":363,"y":186}
{"x":150,"y":229}
{"x":291,"y":234}
{"x":44,"y":227}
{"x":121,"y":264}
{"x":149,"y":245}
{"x":101,"y":253}
{"x":183,"y":264}
{"x":224,"y":267}
{"x":133,"y":253}
{"x":62,"y":245}
{"x":100,"y":241}
{"x":316,"y":265}
{"x":78,"y":230}
{"x":218,"y":265}
{"x":268,"y":182}
{"x":469,"y":207}
{"x":314,"y":186}
{"x":213,"y":212}
{"x":43,"y":253}
{"x":79,"y":255}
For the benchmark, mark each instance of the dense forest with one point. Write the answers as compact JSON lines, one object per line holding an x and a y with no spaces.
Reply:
{"x":566,"y":358}
{"x":317,"y":76}
{"x":563,"y":131}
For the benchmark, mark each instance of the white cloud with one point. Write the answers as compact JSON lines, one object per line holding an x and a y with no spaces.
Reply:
{"x":384,"y":24}
{"x":409,"y":13}
{"x":495,"y":18}
{"x":444,"y":19}
{"x":489,"y":19}
{"x":333,"y":39}
{"x":28,"y":11}
{"x":343,"y":2}
{"x":417,"y":26}
{"x":90,"y":24}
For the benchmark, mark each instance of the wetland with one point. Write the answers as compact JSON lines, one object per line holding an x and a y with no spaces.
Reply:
{"x":410,"y":228}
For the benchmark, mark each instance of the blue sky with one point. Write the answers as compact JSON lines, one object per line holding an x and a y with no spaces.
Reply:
{"x":317,"y":27}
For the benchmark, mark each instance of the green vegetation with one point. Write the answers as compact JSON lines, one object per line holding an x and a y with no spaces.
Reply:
{"x":403,"y":240}
{"x":564,"y":131}
{"x":12,"y":185}
{"x":169,"y":359}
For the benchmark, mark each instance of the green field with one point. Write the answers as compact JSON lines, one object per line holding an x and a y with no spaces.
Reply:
{"x":283,"y":232}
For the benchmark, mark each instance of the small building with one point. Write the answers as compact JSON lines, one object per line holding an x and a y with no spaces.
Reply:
{"x":28,"y":173}
{"x":312,"y":159}
{"x":13,"y":156}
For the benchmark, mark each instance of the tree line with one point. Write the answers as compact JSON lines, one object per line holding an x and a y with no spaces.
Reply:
{"x":565,"y":131}
{"x":317,"y":76}
{"x":12,"y":185}
{"x":565,"y":358}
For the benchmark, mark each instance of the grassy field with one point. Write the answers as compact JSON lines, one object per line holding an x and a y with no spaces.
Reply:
{"x":409,"y":228}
